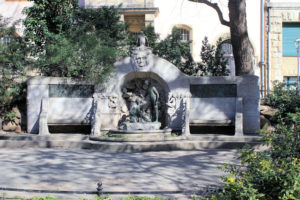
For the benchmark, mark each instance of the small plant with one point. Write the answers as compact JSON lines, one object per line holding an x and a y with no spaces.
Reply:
{"x":142,"y":198}
{"x":45,"y":198}
{"x":10,"y":116}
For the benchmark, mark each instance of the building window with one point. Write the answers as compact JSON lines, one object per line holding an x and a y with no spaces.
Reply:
{"x":6,"y":40}
{"x":290,"y":81}
{"x":184,"y":34}
{"x":290,"y":32}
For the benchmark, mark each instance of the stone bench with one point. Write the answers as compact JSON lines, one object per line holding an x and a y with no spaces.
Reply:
{"x":64,"y":112}
{"x":226,"y":114}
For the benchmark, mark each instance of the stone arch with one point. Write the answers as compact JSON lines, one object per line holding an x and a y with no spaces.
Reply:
{"x":151,"y":75}
{"x":132,"y":85}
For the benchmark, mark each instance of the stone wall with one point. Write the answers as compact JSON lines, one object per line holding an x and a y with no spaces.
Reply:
{"x":62,"y":108}
{"x":224,"y":107}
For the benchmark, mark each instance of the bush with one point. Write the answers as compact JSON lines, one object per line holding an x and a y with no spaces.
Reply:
{"x":268,"y":175}
{"x":176,"y":51}
{"x":12,"y":56}
{"x":285,"y":99}
{"x":212,"y":62}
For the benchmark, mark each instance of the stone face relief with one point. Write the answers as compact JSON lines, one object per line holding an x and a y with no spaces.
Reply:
{"x":145,"y":100}
{"x":140,"y":54}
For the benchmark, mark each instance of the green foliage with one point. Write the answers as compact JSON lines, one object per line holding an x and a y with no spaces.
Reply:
{"x":45,"y":198}
{"x":10,"y":116}
{"x":268,"y":175}
{"x":67,"y":41}
{"x":12,"y":56}
{"x":176,"y":51}
{"x":284,"y":98}
{"x":95,"y":198}
{"x":46,"y":18}
{"x":142,"y":198}
{"x":212,"y":62}
{"x":104,"y":22}
{"x":151,"y":35}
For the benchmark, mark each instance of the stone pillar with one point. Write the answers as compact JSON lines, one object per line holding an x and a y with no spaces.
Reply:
{"x":36,"y":90}
{"x":248,"y":90}
{"x":186,"y":116}
{"x":96,"y":118}
{"x":178,"y":112}
{"x":239,"y":117}
{"x":43,"y":120}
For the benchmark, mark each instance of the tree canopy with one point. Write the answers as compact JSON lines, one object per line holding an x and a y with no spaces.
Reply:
{"x":67,"y":41}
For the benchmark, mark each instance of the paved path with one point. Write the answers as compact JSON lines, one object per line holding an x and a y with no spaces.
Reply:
{"x":80,"y":170}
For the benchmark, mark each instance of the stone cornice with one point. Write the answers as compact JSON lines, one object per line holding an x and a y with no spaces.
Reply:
{"x":282,"y":5}
{"x":139,"y":10}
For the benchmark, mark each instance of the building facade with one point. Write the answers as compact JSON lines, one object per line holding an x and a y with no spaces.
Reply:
{"x":283,"y":29}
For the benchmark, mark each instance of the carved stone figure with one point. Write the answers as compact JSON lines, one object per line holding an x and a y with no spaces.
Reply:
{"x":140,"y":54}
{"x":142,"y":40}
{"x":144,"y":99}
{"x":154,"y":96}
{"x":136,"y":113}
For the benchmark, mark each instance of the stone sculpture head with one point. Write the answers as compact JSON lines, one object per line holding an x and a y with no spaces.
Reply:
{"x":141,"y":58}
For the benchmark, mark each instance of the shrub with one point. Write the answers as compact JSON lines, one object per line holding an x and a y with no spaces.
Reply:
{"x":284,"y":98}
{"x":176,"y":51}
{"x":268,"y":175}
{"x":212,"y":62}
{"x":12,"y":56}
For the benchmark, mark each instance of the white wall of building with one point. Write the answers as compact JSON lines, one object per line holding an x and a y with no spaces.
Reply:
{"x":12,"y":10}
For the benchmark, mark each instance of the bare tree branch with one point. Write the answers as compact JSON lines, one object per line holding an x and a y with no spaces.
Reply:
{"x":216,"y":7}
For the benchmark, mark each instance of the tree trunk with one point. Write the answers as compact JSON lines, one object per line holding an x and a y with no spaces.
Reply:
{"x":241,"y":46}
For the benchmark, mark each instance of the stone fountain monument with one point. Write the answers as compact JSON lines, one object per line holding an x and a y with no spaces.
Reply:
{"x":144,"y":88}
{"x":146,"y":96}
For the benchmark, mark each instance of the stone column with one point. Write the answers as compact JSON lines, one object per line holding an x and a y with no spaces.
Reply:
{"x":43,"y":120}
{"x":239,"y":117}
{"x":179,"y":111}
{"x":96,"y":118}
{"x":36,"y":90}
{"x":186,"y":116}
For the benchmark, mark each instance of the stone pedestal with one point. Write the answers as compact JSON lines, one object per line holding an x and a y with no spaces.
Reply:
{"x":141,"y":126}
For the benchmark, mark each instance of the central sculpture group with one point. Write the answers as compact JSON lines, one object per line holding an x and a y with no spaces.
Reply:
{"x":144,"y":102}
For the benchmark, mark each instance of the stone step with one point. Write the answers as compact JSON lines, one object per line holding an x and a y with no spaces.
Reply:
{"x":66,"y":141}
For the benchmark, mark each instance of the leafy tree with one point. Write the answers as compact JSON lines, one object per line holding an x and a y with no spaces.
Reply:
{"x":12,"y":57}
{"x":212,"y":62}
{"x":241,"y":46}
{"x":176,"y":51}
{"x":47,"y":18}
{"x":68,"y":41}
